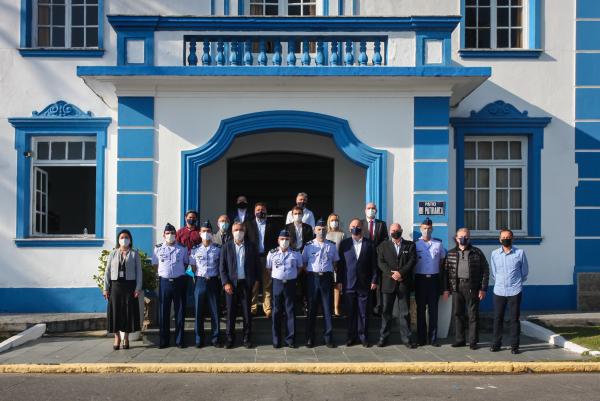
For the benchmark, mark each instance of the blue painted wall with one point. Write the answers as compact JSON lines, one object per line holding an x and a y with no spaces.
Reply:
{"x":52,"y":300}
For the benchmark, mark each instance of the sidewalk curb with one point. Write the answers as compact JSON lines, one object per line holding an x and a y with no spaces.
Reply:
{"x":531,"y":329}
{"x":32,"y":333}
{"x":311,"y":368}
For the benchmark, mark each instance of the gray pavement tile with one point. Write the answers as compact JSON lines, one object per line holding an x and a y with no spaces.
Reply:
{"x":240,"y":355}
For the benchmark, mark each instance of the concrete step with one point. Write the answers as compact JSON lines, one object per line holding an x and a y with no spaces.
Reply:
{"x":55,"y":322}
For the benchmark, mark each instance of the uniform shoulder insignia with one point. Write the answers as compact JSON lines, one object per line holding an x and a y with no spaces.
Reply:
{"x":217,"y":245}
{"x":437,"y":239}
{"x":196,"y":246}
{"x":158,"y":245}
{"x":330,"y":241}
{"x":310,"y":242}
{"x":274,"y":250}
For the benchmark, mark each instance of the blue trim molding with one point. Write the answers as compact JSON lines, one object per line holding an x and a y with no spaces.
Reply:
{"x":537,"y":298}
{"x":533,"y":50}
{"x":57,"y":119}
{"x":500,"y":118}
{"x":301,"y":122}
{"x":421,"y":40}
{"x":26,"y":48}
{"x":51,"y":300}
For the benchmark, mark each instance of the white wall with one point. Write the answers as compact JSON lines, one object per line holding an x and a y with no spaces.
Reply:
{"x":409,"y":7}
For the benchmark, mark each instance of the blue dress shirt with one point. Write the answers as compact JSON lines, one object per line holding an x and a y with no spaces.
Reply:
{"x":509,"y":271}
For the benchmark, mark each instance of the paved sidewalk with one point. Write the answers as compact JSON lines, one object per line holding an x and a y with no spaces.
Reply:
{"x":89,"y":349}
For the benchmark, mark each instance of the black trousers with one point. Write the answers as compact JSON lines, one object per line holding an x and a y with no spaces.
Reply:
{"x":242,"y":294}
{"x":468,"y":299}
{"x":356,"y":307}
{"x":389,"y":299}
{"x":513,"y":303}
{"x":427,"y":296}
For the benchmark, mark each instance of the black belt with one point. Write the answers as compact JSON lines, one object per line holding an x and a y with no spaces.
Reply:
{"x":464,"y":280}
{"x":171,"y":280}
{"x":427,"y":275}
{"x":206,"y":278}
{"x":321,"y":273}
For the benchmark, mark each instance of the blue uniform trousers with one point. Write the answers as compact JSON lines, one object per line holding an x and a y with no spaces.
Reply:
{"x":356,"y":309}
{"x":319,"y":288}
{"x":173,"y":290}
{"x":206,"y":293}
{"x":283,"y":299}
{"x":427,"y":295}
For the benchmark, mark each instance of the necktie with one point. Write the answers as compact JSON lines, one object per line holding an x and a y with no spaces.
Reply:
{"x":371,"y":230}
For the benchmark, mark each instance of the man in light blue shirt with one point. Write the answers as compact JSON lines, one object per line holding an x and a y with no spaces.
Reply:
{"x":509,"y":269}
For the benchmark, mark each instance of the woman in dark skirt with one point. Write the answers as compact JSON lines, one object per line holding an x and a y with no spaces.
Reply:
{"x":122,"y":287}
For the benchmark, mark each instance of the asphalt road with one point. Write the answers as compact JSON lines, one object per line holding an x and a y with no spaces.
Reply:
{"x":174,"y":387}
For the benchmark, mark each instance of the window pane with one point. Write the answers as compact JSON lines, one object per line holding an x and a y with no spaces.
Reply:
{"x":471,"y":17}
{"x":483,"y":199}
{"x":293,"y":10}
{"x":256,"y":9}
{"x":58,"y":150}
{"x":502,"y":199}
{"x":92,"y":1}
{"x":38,"y":201}
{"x":515,"y":16}
{"x":471,"y":39}
{"x":272,"y":10}
{"x":502,"y":17}
{"x":471,"y":2}
{"x":516,"y":38}
{"x":43,"y":39}
{"x":515,"y":220}
{"x":470,"y":220}
{"x":483,"y":15}
{"x":483,"y":220}
{"x":483,"y":178}
{"x":77,"y":37}
{"x":38,"y":223}
{"x":502,"y":2}
{"x":75,"y":150}
{"x":502,"y":178}
{"x":58,"y":37}
{"x":91,"y":15}
{"x":484,"y":150}
{"x":58,"y":15}
{"x":516,"y":2}
{"x":501,"y":220}
{"x":90,"y":151}
{"x":502,"y":38}
{"x":515,"y":178}
{"x":469,"y":178}
{"x":43,"y":15}
{"x":484,"y":39}
{"x":484,"y":2}
{"x":43,"y":204}
{"x":470,"y":151}
{"x":77,"y":1}
{"x":501,"y":150}
{"x":515,"y":150}
{"x":77,"y":15}
{"x":42,"y":151}
{"x":469,"y":199}
{"x":515,"y":199}
{"x":91,"y":37}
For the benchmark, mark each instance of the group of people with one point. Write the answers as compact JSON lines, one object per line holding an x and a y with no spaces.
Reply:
{"x":315,"y":264}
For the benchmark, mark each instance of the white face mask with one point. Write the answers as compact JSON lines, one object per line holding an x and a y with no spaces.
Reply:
{"x":284,"y":243}
{"x":238,"y":236}
{"x":124,"y":242}
{"x":334,"y":224}
{"x":321,"y":234}
{"x":371,"y":213}
{"x":297,"y":218}
{"x":426,"y":233}
{"x":170,"y":238}
{"x":223,"y":225}
{"x":205,"y":236}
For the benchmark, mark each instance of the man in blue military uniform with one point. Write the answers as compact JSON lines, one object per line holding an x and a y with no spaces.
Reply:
{"x":284,"y":263}
{"x":171,"y":259}
{"x":204,"y":259}
{"x":320,"y":256}
{"x":428,"y":283}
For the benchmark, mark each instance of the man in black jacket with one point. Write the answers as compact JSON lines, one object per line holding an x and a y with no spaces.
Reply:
{"x":468,"y":275}
{"x":396,"y":260}
{"x":376,"y":230}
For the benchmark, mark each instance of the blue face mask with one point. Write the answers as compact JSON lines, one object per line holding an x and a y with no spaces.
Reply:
{"x":356,"y":230}
{"x":463,"y":240}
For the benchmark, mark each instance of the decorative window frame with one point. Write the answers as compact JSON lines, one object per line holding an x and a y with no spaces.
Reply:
{"x":503,"y":119}
{"x":58,"y":119}
{"x":26,"y":45}
{"x":322,"y":5}
{"x":532,"y":31}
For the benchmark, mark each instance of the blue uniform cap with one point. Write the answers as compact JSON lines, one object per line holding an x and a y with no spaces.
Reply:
{"x":427,"y":222}
{"x":206,"y":224}
{"x":284,"y":233}
{"x":321,"y":223}
{"x":169,"y":228}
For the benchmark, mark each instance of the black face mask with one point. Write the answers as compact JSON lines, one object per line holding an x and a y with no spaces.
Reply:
{"x":301,"y":204}
{"x":260,"y":215}
{"x":506,"y":242}
{"x":191,"y":222}
{"x":463,"y":241}
{"x":356,"y":230}
{"x":396,"y":234}
{"x":242,"y":205}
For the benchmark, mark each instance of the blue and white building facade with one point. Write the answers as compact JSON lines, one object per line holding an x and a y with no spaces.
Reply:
{"x":117,"y":114}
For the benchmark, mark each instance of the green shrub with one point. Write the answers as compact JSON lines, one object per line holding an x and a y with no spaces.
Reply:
{"x":149,"y":275}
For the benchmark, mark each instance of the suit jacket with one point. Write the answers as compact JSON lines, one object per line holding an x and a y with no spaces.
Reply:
{"x":252,"y":235}
{"x":380,"y":231}
{"x":357,"y":274}
{"x":404,"y":262}
{"x":233,"y":216}
{"x":307,"y":235}
{"x":228,"y":264}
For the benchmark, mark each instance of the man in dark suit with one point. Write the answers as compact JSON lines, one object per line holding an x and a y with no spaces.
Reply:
{"x":357,"y":273}
{"x":239,"y":270}
{"x":262,"y":233}
{"x":242,"y":212}
{"x":375,"y":230}
{"x":396,"y":260}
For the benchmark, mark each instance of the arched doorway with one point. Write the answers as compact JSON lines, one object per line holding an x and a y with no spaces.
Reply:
{"x":276,"y":178}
